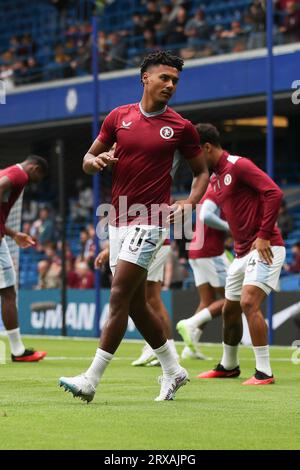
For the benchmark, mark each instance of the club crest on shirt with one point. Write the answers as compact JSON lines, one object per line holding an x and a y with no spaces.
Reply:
{"x":227,"y":179}
{"x":166,"y":132}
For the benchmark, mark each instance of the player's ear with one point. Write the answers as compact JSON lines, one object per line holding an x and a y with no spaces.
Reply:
{"x":208,"y":147}
{"x":145,"y":78}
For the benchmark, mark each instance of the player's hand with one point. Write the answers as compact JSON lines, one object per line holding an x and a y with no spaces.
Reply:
{"x":102,"y":258}
{"x":23,"y":240}
{"x":104,"y":159}
{"x":179,"y":210}
{"x":264,"y":250}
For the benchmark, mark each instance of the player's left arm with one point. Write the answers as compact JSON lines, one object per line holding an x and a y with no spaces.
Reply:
{"x":198,"y":188}
{"x":190,"y":148}
{"x":257,"y":179}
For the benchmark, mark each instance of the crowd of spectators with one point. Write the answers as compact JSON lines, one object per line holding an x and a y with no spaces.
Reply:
{"x":164,"y":24}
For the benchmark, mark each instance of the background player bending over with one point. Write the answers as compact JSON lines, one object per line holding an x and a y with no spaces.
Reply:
{"x":13,"y":179}
{"x":210,"y":264}
{"x":250,"y":201}
{"x":147,"y":135}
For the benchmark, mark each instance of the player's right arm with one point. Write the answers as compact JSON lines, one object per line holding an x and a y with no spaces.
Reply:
{"x":209,"y":215}
{"x":99,"y":154}
{"x":97,"y":158}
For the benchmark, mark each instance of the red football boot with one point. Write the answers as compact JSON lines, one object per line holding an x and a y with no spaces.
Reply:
{"x":29,"y":355}
{"x":220,"y":373}
{"x":259,"y":378}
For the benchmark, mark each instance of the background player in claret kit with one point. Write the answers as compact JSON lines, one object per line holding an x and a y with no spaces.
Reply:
{"x":13,"y":179}
{"x":147,"y":135}
{"x":153,"y":292}
{"x":250,"y":201}
{"x":210,"y":264}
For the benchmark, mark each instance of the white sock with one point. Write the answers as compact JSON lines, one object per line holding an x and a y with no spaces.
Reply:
{"x":200,"y":318}
{"x":262,"y":356}
{"x":230,"y":356}
{"x":15,"y":341}
{"x":197,"y":334}
{"x":173,"y":347}
{"x":167,"y":360}
{"x":98,"y":366}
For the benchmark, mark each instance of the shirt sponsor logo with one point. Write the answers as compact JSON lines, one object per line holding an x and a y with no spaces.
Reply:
{"x":166,"y":132}
{"x":227,"y":179}
{"x":126,"y":125}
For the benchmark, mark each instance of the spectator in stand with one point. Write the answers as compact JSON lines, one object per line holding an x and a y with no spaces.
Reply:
{"x":82,"y":64}
{"x":255,"y":18}
{"x":85,"y":276}
{"x":291,"y":23}
{"x":60,"y":66}
{"x":43,"y":229}
{"x":219,"y":42}
{"x":285,"y":220}
{"x":85,"y":243}
{"x":150,"y":42}
{"x":197,"y":29}
{"x":71,"y":274}
{"x":294,"y":268}
{"x":26,"y":227}
{"x":152,"y":16}
{"x":197,"y":32}
{"x":175,"y":33}
{"x":165,"y":19}
{"x":49,"y":275}
{"x":27,"y":46}
{"x":116,"y":52}
{"x":137,"y":24}
{"x":176,"y":5}
{"x":234,"y":36}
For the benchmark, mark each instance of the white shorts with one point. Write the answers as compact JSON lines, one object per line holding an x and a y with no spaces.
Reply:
{"x":156,"y":269}
{"x":137,"y":244}
{"x":211,"y":271}
{"x":7,"y":271}
{"x":250,"y":270}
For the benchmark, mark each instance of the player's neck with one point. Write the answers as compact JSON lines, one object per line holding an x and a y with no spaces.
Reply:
{"x":149,"y":106}
{"x":23,"y":166}
{"x":217,"y":156}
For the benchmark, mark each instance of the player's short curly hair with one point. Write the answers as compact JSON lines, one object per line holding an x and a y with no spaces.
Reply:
{"x":162,"y":58}
{"x":208,"y":134}
{"x":40,"y":161}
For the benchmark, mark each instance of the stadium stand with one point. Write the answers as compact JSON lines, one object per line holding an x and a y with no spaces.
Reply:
{"x":53,"y":40}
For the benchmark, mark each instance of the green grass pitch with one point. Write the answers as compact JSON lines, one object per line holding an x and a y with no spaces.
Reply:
{"x":207,"y":414}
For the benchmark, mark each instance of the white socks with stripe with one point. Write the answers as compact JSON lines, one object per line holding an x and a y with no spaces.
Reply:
{"x":167,"y":359}
{"x":15,"y":342}
{"x":200,"y":318}
{"x":230,"y":356}
{"x":262,"y":356}
{"x":173,"y":347}
{"x":98,"y":366}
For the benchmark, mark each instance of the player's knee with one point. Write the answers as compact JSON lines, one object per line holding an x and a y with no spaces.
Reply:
{"x":248,"y":304}
{"x":154,"y":302}
{"x":118,"y":297}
